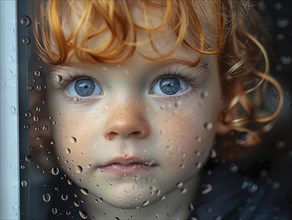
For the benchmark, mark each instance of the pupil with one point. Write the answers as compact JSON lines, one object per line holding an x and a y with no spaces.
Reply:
{"x":84,"y":87}
{"x":169,"y":86}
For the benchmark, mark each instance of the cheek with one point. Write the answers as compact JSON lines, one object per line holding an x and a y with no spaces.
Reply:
{"x":186,"y":135}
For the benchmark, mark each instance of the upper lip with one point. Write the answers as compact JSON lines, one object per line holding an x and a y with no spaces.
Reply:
{"x":129,"y":160}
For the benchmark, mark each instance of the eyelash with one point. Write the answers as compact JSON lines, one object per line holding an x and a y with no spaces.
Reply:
{"x":184,"y":75}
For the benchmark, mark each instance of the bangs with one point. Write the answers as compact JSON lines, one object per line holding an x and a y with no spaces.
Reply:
{"x":110,"y":31}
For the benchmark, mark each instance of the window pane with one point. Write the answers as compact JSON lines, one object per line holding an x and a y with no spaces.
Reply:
{"x":116,"y":122}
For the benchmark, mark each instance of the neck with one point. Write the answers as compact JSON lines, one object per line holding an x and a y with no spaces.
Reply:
{"x":174,"y":205}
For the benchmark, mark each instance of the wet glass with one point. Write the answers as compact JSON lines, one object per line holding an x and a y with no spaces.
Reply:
{"x":56,"y":162}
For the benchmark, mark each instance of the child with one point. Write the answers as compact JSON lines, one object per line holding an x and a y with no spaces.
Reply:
{"x":138,"y":90}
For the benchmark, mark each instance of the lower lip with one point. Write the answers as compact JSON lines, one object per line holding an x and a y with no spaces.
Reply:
{"x":126,"y":169}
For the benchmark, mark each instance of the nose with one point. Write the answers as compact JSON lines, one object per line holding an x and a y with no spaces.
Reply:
{"x":126,"y":122}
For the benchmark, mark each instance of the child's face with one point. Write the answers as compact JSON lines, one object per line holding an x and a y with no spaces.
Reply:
{"x":127,"y":115}
{"x":126,"y":131}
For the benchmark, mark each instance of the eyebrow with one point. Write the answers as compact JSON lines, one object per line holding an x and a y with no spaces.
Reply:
{"x":186,"y":61}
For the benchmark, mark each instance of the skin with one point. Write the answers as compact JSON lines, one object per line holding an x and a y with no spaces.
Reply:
{"x":130,"y":119}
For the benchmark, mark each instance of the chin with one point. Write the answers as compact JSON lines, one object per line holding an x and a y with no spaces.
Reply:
{"x":129,"y":198}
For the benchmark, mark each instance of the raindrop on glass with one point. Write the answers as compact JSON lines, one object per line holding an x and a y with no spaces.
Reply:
{"x":179,"y":184}
{"x":55,"y":171}
{"x":206,"y":188}
{"x":281,"y":144}
{"x":36,"y":118}
{"x":283,"y":22}
{"x":28,"y":158}
{"x":46,"y":197}
{"x":198,"y":165}
{"x":249,"y":186}
{"x":22,"y":167}
{"x":13,"y":109}
{"x":183,"y":190}
{"x":208,"y":125}
{"x":27,"y":114}
{"x":64,"y":197}
{"x":79,"y":169}
{"x":37,"y":73}
{"x":73,"y":140}
{"x":286,"y":60}
{"x":68,"y":151}
{"x":54,"y":211}
{"x":234,"y":167}
{"x":84,"y":191}
{"x":83,"y":214}
{"x":25,"y":21}
{"x":242,"y":138}
{"x":145,"y":203}
{"x":25,"y":40}
{"x":204,"y":94}
{"x":23,"y":183}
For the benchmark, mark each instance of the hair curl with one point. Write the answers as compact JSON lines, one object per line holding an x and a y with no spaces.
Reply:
{"x":65,"y":29}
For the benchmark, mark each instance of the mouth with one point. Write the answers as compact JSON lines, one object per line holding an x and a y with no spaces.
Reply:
{"x":129,"y":165}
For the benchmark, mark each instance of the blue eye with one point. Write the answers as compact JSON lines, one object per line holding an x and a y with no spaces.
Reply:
{"x":84,"y":87}
{"x":169,"y":85}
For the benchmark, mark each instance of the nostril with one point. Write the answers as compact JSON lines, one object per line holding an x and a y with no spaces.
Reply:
{"x":111,"y":135}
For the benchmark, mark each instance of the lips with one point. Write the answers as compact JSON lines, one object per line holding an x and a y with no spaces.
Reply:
{"x":128,"y":165}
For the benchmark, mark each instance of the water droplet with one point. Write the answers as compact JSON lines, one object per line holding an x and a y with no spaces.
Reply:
{"x":249,"y":186}
{"x":37,"y":73}
{"x":79,"y":169}
{"x":84,"y":191}
{"x":73,"y":140}
{"x":45,"y":128}
{"x":283,"y":22}
{"x":208,"y":125}
{"x":28,"y":158}
{"x":242,"y":138}
{"x":64,"y":197}
{"x":234,"y":167}
{"x":38,"y":87}
{"x":198,"y":165}
{"x":183,"y":190}
{"x":204,"y":94}
{"x":36,"y":118}
{"x":83,"y":214}
{"x":69,"y":182}
{"x":13,"y":109}
{"x":68,"y":151}
{"x":276,"y":185}
{"x":68,"y":212}
{"x":206,"y":188}
{"x":22,"y":167}
{"x":281,"y":144}
{"x":286,"y":60}
{"x":145,"y":203}
{"x":46,"y":197}
{"x":27,"y":114}
{"x":213,"y":153}
{"x":25,"y":21}
{"x":29,"y":88}
{"x":179,"y":184}
{"x":55,"y":171}
{"x":54,"y":211}
{"x":278,"y":6}
{"x":25,"y":40}
{"x":23,"y":183}
{"x":191,"y":207}
{"x":199,"y":139}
